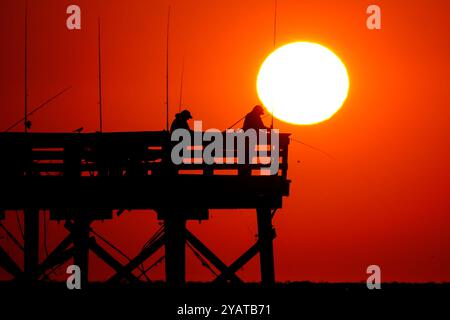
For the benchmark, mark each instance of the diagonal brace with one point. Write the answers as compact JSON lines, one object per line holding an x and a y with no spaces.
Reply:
{"x":210,"y":256}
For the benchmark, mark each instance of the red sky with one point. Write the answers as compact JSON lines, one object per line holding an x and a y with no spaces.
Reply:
{"x":384,"y":200}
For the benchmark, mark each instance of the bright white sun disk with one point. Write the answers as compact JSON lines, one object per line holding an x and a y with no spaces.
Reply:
{"x":303,"y":83}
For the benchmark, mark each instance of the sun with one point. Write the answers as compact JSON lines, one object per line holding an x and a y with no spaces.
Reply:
{"x":303,"y":83}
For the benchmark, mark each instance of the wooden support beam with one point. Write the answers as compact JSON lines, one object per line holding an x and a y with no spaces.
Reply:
{"x":60,"y":259}
{"x":265,"y":237}
{"x":175,"y":230}
{"x":210,"y":256}
{"x":58,"y":256}
{"x":8,"y":264}
{"x":148,"y":192}
{"x":80,"y":236}
{"x":31,"y":244}
{"x":238,"y":263}
{"x":140,"y":258}
{"x":109,"y":260}
{"x":241,"y":261}
{"x":11,"y":237}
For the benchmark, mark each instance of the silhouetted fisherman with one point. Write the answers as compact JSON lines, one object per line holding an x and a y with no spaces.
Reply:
{"x":181,"y":121}
{"x":253,"y":119}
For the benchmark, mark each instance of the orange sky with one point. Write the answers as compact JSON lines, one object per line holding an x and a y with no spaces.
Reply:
{"x":384,"y":200}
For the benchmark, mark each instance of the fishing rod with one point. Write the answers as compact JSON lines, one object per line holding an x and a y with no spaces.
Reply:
{"x":41,"y":106}
{"x":295,"y":140}
{"x":100,"y":77}
{"x":231,"y":127}
{"x":181,"y":86}
{"x":275,"y":25}
{"x":274,"y":46}
{"x":25,"y":118}
{"x":314,"y":148}
{"x":167,"y":69}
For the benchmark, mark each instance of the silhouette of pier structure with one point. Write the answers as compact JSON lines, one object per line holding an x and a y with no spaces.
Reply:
{"x":84,"y":177}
